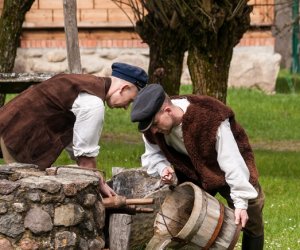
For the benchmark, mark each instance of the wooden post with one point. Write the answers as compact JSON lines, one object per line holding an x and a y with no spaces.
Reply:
{"x":73,"y":52}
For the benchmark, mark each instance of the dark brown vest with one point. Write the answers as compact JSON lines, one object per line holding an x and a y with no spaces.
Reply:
{"x":38,"y":124}
{"x":199,"y":126}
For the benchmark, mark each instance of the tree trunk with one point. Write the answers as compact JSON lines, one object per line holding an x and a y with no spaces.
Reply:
{"x":212,"y":29}
{"x":11,"y":20}
{"x":160,"y":29}
{"x":166,"y":68}
{"x":209,"y":74}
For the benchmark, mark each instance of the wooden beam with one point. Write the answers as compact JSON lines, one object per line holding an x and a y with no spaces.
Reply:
{"x":73,"y":52}
{"x":17,"y":82}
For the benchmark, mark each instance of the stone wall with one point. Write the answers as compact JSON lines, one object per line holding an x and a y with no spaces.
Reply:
{"x":56,"y":209}
{"x":251,"y":67}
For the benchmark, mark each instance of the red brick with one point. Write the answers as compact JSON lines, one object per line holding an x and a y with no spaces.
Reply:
{"x":105,"y":4}
{"x":117,"y":15}
{"x":85,"y":4}
{"x":58,"y":16}
{"x":50,"y":4}
{"x":36,"y":17}
{"x":93,"y":16}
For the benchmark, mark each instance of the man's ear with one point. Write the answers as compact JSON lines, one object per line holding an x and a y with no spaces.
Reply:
{"x":168,"y":109}
{"x":124,"y":88}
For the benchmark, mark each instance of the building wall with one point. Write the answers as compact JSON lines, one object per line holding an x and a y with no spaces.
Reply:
{"x":102,"y":23}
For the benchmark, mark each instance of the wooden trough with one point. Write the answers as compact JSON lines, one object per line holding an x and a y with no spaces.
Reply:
{"x":192,"y":219}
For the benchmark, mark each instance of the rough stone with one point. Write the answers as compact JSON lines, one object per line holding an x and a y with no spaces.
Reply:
{"x":92,"y":64}
{"x":58,"y":67}
{"x":38,"y":221}
{"x":68,"y":215}
{"x":9,"y":197}
{"x":11,"y":225}
{"x":5,"y":244}
{"x":89,"y":200}
{"x":96,"y":244}
{"x":56,"y":55}
{"x":99,"y":215}
{"x":7,"y":187}
{"x":22,"y":173}
{"x":51,"y":171}
{"x":89,"y":222}
{"x":3,"y":208}
{"x":34,"y":196}
{"x":47,"y":198}
{"x":19,"y":207}
{"x":28,"y":244}
{"x":64,"y":240}
{"x":49,"y":185}
{"x":258,"y":70}
{"x":83,"y":244}
{"x":28,"y":212}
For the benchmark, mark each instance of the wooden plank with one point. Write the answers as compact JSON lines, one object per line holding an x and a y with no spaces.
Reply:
{"x":17,"y":82}
{"x":71,"y":30}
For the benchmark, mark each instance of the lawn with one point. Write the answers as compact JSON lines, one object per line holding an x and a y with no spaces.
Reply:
{"x":273,"y":125}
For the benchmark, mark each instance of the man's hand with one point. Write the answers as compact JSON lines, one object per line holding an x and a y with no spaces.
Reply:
{"x":90,"y":163}
{"x":167,"y":175}
{"x":241,"y":216}
{"x":106,"y":190}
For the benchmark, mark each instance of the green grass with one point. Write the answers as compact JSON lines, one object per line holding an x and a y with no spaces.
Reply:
{"x":279,"y":177}
{"x":266,"y":118}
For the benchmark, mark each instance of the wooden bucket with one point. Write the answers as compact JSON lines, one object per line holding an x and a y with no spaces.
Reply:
{"x":190,"y":219}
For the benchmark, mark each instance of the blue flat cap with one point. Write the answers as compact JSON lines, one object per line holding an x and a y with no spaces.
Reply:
{"x":146,"y":104}
{"x":130,"y":73}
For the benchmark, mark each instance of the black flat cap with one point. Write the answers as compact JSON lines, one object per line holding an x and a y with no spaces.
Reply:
{"x":130,"y":73}
{"x":147,"y":103}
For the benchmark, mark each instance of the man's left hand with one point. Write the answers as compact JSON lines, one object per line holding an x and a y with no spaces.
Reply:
{"x":241,"y":216}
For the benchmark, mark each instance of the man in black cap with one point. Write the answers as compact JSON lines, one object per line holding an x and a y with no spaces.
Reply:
{"x":65,"y":112}
{"x":198,"y":139}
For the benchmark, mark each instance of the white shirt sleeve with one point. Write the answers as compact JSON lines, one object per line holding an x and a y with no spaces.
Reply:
{"x":232,"y":163}
{"x":153,"y":159}
{"x":89,"y":112}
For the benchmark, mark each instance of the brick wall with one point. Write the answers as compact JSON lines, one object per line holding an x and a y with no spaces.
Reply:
{"x":103,"y":24}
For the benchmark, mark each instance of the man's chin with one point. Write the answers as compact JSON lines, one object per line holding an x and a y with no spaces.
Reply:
{"x":109,"y":105}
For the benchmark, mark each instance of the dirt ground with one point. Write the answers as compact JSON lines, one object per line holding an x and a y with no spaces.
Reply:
{"x":277,"y":145}
{"x":267,"y":145}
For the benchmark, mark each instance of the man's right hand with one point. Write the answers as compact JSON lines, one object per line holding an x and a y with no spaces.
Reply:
{"x":105,"y":190}
{"x":167,"y":175}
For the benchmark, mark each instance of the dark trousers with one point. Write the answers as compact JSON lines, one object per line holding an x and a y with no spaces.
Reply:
{"x":255,"y":225}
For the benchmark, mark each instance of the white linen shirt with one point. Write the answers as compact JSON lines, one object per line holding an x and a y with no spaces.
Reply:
{"x":89,"y":112}
{"x":228,"y":156}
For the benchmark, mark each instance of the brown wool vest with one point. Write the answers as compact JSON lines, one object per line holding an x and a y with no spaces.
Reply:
{"x":38,"y":124}
{"x":199,"y":126}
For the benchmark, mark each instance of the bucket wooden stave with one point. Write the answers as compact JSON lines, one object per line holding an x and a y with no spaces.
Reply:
{"x":191,"y":218}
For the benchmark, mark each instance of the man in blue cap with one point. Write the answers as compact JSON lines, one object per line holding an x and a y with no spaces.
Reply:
{"x":65,"y":112}
{"x":198,"y":139}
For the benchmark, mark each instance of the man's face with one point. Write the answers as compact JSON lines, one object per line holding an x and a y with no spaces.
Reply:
{"x":162,"y":122}
{"x":122,"y":97}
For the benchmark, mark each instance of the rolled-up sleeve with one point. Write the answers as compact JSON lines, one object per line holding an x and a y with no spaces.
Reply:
{"x":153,"y":159}
{"x":89,"y":112}
{"x":234,"y":166}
